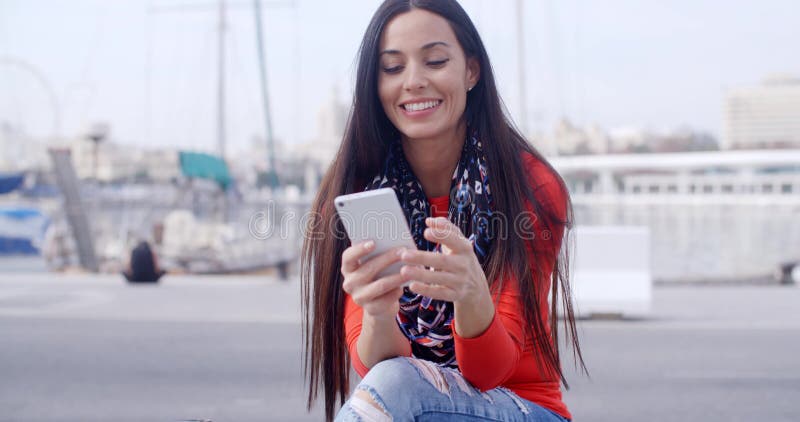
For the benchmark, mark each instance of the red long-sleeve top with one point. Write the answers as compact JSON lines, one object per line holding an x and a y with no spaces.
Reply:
{"x":502,"y":355}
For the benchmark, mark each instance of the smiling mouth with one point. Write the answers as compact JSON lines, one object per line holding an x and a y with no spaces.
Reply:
{"x":424,"y":105}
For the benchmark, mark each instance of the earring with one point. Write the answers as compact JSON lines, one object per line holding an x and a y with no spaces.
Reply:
{"x":469,"y":89}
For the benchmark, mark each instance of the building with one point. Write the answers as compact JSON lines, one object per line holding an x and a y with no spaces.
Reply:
{"x":570,"y":139}
{"x":763,"y":116}
{"x":118,"y":162}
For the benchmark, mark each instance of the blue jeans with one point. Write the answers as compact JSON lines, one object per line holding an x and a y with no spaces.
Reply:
{"x":408,"y":389}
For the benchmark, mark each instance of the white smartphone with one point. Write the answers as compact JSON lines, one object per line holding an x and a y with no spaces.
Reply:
{"x":375,"y":215}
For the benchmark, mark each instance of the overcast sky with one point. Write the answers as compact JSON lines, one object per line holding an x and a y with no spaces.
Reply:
{"x":149,"y":69}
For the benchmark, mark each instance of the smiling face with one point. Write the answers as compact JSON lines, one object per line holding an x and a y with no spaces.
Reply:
{"x":424,"y":76}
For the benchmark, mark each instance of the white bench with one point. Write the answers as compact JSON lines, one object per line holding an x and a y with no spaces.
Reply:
{"x":611,"y":271}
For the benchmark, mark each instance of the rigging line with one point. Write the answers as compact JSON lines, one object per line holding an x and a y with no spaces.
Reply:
{"x":240,"y":77}
{"x":162,"y":105}
{"x":89,"y":62}
{"x":234,"y":78}
{"x":180,"y":116}
{"x":521,"y":73}
{"x":212,"y":5}
{"x":577,"y":85}
{"x":222,"y":81}
{"x":15,"y":110}
{"x":536,"y":109}
{"x":170,"y":104}
{"x":580,"y":72}
{"x":210,"y":74}
{"x":296,"y":67}
{"x":3,"y":28}
{"x":43,"y":82}
{"x":184,"y":110}
{"x":550,"y":12}
{"x":148,"y":76}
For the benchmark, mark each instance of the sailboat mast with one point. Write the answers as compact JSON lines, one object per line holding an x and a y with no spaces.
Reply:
{"x":221,"y":82}
{"x":262,"y":67}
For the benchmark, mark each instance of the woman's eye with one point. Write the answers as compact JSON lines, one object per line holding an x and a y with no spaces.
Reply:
{"x":393,"y":69}
{"x":438,"y":63}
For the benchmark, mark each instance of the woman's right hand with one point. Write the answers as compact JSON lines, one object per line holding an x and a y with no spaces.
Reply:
{"x":378,"y":297}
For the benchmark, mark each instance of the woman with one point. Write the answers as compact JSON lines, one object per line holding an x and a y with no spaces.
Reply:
{"x":475,"y":337}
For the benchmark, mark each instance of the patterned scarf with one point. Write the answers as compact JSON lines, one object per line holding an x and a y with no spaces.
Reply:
{"x":428,"y":322}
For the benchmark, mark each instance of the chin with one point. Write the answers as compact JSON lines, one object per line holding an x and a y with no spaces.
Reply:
{"x":420,"y":132}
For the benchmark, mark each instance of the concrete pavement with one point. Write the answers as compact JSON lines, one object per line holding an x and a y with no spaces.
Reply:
{"x":93,"y":348}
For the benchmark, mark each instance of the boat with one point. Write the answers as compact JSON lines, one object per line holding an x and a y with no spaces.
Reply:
{"x":22,"y":228}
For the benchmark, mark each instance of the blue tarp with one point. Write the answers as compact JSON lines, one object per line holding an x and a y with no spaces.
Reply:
{"x":205,"y":166}
{"x":10,"y":181}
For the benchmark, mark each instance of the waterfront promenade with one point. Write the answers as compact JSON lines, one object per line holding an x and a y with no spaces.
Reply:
{"x":92,"y":348}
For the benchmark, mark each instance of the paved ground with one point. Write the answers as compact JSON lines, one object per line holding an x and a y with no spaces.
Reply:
{"x":85,"y":348}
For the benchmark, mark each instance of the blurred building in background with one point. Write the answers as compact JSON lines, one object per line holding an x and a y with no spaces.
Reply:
{"x":111,"y":162}
{"x":763,"y":116}
{"x":570,"y":139}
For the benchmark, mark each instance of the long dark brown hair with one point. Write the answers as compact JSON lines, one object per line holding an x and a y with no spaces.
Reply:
{"x":360,"y":156}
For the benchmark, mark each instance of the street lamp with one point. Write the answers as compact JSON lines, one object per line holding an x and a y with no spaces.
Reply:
{"x":97,"y":133}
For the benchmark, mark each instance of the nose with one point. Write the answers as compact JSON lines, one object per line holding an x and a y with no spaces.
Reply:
{"x":415,"y":78}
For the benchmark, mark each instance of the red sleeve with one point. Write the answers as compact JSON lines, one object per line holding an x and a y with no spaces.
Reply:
{"x":352,"y":330}
{"x":353,"y":315}
{"x":488,"y":360}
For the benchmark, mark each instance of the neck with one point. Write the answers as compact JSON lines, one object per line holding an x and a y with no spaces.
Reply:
{"x":433,"y":160}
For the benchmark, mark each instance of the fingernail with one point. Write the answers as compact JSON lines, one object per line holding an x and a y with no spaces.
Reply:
{"x":369,"y":244}
{"x":400,"y":252}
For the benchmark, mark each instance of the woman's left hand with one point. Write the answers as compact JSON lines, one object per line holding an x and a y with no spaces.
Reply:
{"x":457,"y":275}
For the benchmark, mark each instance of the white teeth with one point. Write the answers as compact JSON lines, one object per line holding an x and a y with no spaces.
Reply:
{"x":420,"y":106}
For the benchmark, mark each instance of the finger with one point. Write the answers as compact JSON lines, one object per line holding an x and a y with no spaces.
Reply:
{"x":371,"y":268}
{"x":381,"y":304}
{"x":433,"y":291}
{"x":378,"y":288}
{"x":428,"y":259}
{"x":430,"y":277}
{"x":351,"y":255}
{"x":368,"y":271}
{"x":441,"y":230}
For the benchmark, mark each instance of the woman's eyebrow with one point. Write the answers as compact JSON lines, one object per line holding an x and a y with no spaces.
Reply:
{"x":427,"y":46}
{"x":430,"y":45}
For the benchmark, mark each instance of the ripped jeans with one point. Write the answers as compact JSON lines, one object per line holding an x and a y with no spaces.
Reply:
{"x":408,"y":389}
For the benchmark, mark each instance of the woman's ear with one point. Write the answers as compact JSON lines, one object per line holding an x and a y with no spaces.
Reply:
{"x":473,"y":72}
